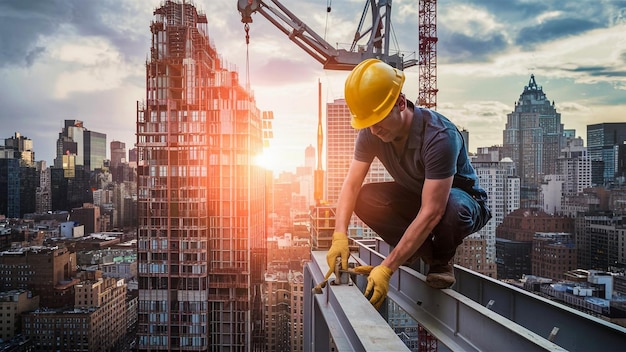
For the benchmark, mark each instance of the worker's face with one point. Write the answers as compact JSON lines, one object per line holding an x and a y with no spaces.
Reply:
{"x":391,"y":126}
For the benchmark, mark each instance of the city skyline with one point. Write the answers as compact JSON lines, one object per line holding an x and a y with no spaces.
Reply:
{"x":85,"y":60}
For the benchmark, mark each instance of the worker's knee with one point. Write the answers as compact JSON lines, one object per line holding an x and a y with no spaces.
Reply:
{"x":463,"y":216}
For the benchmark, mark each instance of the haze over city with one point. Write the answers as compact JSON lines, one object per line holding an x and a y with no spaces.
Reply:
{"x":193,"y":246}
{"x":85,"y":60}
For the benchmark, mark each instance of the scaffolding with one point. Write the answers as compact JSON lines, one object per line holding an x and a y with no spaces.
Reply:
{"x":322,"y":226}
{"x":201,"y":234}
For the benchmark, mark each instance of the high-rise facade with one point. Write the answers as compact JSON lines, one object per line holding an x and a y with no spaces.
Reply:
{"x":296,"y":280}
{"x":69,"y":143}
{"x":600,"y":239}
{"x":96,"y":322}
{"x":340,"y":152}
{"x":340,"y":137}
{"x":42,"y":198}
{"x":10,"y":187}
{"x":306,"y":177}
{"x":22,"y":149}
{"x":80,"y":147}
{"x":19,"y":177}
{"x":533,"y":138}
{"x":277,"y":310}
{"x":603,"y":142}
{"x":95,"y":150}
{"x":268,"y":129}
{"x":39,"y":269}
{"x":118,"y":153}
{"x":573,"y":176}
{"x":15,"y":302}
{"x":497,"y":177}
{"x":553,"y":255}
{"x":201,"y":233}
{"x":121,"y":170}
{"x":310,"y":157}
{"x":514,"y":237}
{"x":575,"y":166}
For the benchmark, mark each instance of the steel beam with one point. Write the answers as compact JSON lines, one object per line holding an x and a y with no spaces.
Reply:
{"x":341,"y":317}
{"x":509,"y":317}
{"x":541,"y":315}
{"x":455,"y":320}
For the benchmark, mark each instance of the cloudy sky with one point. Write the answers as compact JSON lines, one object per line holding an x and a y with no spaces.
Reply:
{"x":84,"y":60}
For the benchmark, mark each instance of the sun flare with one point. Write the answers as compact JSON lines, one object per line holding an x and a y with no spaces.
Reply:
{"x":266,"y":160}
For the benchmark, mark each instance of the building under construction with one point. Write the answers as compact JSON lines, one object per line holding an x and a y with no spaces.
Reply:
{"x":201,"y":233}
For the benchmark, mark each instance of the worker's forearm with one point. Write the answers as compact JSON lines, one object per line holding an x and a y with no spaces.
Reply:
{"x":345,"y":207}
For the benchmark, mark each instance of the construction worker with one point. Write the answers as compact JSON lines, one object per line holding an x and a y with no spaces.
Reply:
{"x":434,"y":201}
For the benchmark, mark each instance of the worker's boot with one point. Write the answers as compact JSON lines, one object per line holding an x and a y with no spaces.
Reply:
{"x":440,"y":274}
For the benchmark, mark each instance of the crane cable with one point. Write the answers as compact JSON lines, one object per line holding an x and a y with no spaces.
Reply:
{"x":246,"y":27}
{"x":328,"y":8}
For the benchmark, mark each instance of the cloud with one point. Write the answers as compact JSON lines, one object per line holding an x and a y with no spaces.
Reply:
{"x":34,"y":54}
{"x":277,"y":72}
{"x":26,"y":21}
{"x":469,"y":34}
{"x":483,"y":119}
{"x":572,"y":107}
{"x":80,"y":59}
{"x":468,"y":49}
{"x":553,"y":29}
{"x":31,"y":23}
{"x":481,"y":112}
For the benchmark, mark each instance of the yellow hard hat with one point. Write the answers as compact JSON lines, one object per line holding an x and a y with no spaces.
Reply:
{"x":371,"y":90}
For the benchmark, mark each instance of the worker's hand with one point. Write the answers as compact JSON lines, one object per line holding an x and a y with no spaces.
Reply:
{"x":338,"y":249}
{"x":378,"y":285}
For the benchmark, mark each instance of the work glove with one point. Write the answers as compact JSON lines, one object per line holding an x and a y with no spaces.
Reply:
{"x":378,"y":285}
{"x":338,"y":249}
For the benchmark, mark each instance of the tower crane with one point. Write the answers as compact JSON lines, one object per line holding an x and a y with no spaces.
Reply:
{"x":375,"y":39}
{"x":377,"y":45}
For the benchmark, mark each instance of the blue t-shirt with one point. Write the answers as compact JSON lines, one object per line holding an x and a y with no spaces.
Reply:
{"x":434,"y":150}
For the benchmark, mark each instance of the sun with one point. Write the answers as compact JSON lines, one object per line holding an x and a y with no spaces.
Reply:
{"x":266,"y":160}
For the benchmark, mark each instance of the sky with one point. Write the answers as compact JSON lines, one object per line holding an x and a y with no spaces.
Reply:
{"x":85,"y":60}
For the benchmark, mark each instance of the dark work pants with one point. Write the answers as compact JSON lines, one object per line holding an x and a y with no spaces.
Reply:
{"x":388,"y":209}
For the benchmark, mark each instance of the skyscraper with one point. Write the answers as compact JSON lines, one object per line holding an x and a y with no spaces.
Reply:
{"x":118,"y":153}
{"x":95,"y":150}
{"x":10,"y":187}
{"x":340,"y":152}
{"x":339,"y":147}
{"x":70,"y":176}
{"x":86,"y":148}
{"x":43,"y":192}
{"x":22,"y":149}
{"x":533,"y":138}
{"x":201,"y":234}
{"x":603,"y":141}
{"x":310,"y":157}
{"x":574,"y":176}
{"x":497,"y":177}
{"x":575,"y":166}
